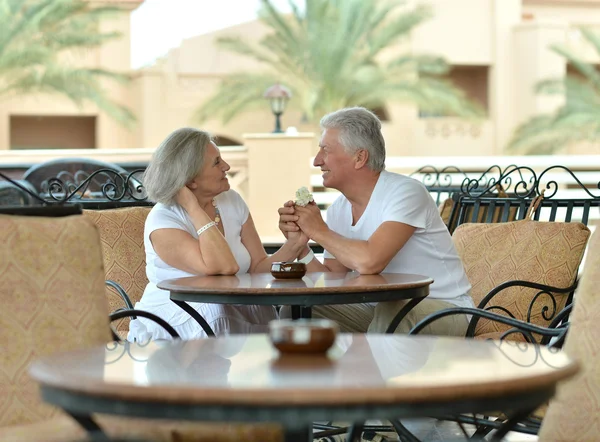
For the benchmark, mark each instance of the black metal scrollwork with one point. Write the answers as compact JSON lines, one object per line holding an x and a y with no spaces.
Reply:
{"x":545,"y":308}
{"x":116,"y":187}
{"x":434,"y":178}
{"x":113,"y":354}
{"x":537,"y":355}
{"x":552,"y":186}
{"x":518,"y":180}
{"x":103,"y":184}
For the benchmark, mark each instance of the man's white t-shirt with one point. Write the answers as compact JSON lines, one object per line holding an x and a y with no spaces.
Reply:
{"x":429,"y":251}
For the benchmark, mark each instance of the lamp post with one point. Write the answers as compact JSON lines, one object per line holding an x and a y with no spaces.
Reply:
{"x":278,"y":95}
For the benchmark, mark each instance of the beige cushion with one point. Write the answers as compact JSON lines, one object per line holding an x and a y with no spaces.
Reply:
{"x":50,"y":277}
{"x":64,"y":429}
{"x":543,"y":252}
{"x":122,"y":237}
{"x":574,"y":413}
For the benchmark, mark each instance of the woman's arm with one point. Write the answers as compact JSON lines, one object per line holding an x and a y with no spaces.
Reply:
{"x":260,"y":261}
{"x":208,"y":255}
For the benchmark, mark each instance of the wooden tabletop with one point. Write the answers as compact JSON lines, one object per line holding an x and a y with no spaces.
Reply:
{"x":359,"y":369}
{"x":315,"y":282}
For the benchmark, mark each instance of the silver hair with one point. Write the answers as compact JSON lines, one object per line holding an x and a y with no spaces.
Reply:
{"x":175,"y":163}
{"x":359,"y":129}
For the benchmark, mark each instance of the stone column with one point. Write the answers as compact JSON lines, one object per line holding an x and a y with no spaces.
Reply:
{"x":534,"y":62}
{"x":278,"y":164}
{"x":506,"y":14}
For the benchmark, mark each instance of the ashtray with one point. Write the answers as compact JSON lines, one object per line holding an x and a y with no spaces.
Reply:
{"x":303,"y":335}
{"x":288,"y":270}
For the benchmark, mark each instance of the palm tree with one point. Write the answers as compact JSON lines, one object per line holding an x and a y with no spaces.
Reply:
{"x":578,"y":119}
{"x":36,"y":37}
{"x":334,"y":54}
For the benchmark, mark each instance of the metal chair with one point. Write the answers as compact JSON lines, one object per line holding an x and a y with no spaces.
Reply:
{"x":93,"y":183}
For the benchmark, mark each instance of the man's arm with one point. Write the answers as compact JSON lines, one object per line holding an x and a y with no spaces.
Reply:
{"x":367,"y":257}
{"x":288,"y":226}
{"x":370,"y":256}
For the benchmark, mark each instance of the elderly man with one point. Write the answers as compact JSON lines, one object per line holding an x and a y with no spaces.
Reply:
{"x":382,"y":222}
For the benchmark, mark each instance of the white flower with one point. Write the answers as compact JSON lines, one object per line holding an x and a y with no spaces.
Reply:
{"x":303,"y":197}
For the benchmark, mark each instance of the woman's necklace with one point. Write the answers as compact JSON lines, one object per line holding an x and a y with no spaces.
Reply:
{"x":217,"y":213}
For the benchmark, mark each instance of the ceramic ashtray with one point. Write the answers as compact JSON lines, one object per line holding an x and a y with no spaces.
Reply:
{"x":288,"y":270}
{"x":303,"y":335}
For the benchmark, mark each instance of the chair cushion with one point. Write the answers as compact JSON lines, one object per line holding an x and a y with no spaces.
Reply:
{"x":543,"y":252}
{"x":573,"y":413}
{"x":122,"y":237}
{"x":63,"y":428}
{"x":445,"y":209}
{"x":51,"y":291}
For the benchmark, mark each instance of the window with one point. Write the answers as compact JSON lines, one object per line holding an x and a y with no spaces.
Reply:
{"x":473,"y":80}
{"x":52,"y":132}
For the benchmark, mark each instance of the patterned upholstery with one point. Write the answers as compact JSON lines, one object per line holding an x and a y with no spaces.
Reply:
{"x":52,"y":294}
{"x":573,"y":413}
{"x":50,"y":275}
{"x":122,"y":237}
{"x":543,"y":252}
{"x":64,"y":429}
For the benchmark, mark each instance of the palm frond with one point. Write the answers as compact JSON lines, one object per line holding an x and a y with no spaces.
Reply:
{"x":33,"y":36}
{"x":328,"y":54}
{"x":577,"y":120}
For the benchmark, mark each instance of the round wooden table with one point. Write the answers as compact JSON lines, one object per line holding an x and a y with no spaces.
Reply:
{"x":242,"y":378}
{"x":315,"y":288}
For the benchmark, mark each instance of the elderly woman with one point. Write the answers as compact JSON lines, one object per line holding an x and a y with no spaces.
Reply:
{"x":199,"y":226}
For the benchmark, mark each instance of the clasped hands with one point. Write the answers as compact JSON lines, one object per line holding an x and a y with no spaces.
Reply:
{"x":299,"y":222}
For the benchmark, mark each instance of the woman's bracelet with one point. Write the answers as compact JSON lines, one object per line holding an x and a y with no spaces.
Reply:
{"x":201,"y":230}
{"x":308,"y":258}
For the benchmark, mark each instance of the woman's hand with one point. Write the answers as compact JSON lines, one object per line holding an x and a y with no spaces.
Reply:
{"x":287,"y":220}
{"x":186,"y":199}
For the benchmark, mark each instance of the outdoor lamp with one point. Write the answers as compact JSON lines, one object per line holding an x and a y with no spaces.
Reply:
{"x":278,"y":95}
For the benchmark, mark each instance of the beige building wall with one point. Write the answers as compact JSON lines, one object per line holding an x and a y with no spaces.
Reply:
{"x":114,"y":56}
{"x":503,"y":43}
{"x":504,"y":40}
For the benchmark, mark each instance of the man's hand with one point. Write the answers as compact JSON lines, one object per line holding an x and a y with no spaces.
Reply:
{"x":287,"y":219}
{"x":309,"y":220}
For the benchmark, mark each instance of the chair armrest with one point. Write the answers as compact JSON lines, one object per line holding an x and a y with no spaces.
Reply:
{"x":518,"y":326}
{"x":127,"y":313}
{"x":543,"y":289}
{"x":121,"y":291}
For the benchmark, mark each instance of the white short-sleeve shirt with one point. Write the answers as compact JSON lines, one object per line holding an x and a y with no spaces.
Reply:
{"x":429,"y":251}
{"x":234,"y":213}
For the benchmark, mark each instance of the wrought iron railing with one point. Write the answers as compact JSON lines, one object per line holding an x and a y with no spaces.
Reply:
{"x":101,"y":188}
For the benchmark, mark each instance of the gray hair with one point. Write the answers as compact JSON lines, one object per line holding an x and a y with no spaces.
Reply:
{"x":359,"y":129}
{"x":175,"y":163}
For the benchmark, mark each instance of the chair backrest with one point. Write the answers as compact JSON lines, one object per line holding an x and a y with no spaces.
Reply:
{"x":573,"y":413}
{"x":547,"y":253}
{"x":566,"y":198}
{"x":86,"y":180}
{"x":52,"y":295}
{"x":122,"y":237}
{"x":480,"y":209}
{"x":52,"y":211}
{"x":18,"y":193}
